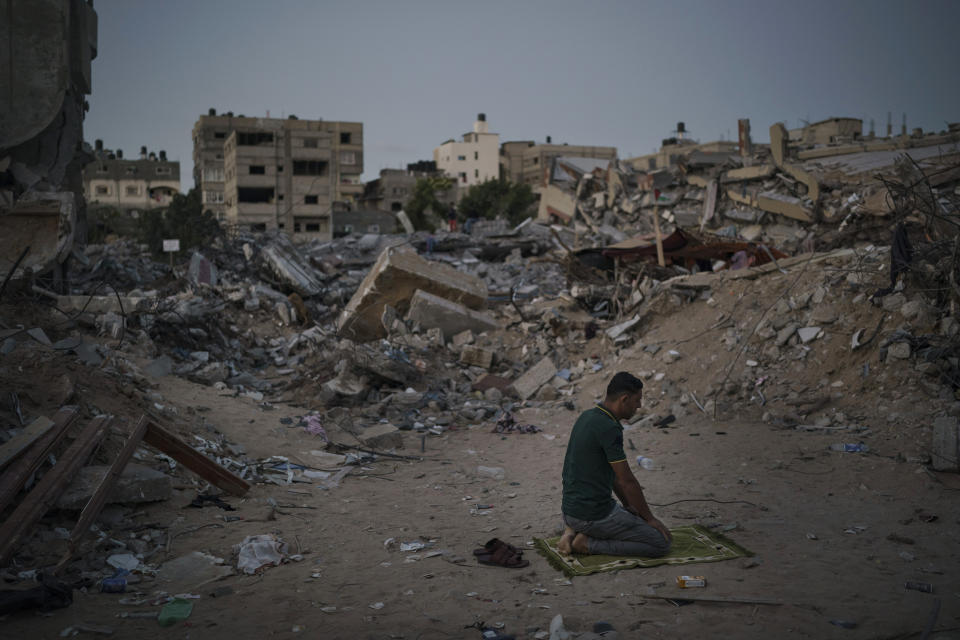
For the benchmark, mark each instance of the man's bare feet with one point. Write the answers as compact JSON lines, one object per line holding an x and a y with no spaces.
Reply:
{"x":566,"y":540}
{"x":579,"y":544}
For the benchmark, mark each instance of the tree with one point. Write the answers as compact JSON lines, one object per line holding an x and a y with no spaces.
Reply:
{"x":183,"y":219}
{"x":424,"y":197}
{"x":498,"y":197}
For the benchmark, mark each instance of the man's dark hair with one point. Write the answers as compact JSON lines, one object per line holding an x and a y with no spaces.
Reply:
{"x":622,"y":383}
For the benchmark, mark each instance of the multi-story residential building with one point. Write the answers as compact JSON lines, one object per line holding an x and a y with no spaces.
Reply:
{"x":279,"y":178}
{"x":526,"y":162}
{"x":130,"y":186}
{"x":394,"y":188}
{"x":210,"y":133}
{"x":474,"y":160}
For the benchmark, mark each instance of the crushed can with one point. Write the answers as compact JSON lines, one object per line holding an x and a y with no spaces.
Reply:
{"x":689,"y":582}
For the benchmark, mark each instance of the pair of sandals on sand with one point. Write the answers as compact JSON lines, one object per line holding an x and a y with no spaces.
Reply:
{"x":501,"y":554}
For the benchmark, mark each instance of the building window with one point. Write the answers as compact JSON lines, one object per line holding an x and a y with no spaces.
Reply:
{"x":476,"y":155}
{"x":476,"y":173}
{"x":102,"y":168}
{"x":373,"y":228}
{"x":133,"y":190}
{"x":257,"y":170}
{"x":310,"y":143}
{"x":163,"y":171}
{"x":462,"y":158}
{"x":102,"y":190}
{"x":260,"y":226}
{"x":253,"y":138}
{"x":213,"y":174}
{"x":131,"y":171}
{"x":313,"y":226}
{"x":311,"y":199}
{"x":348,"y":228}
{"x":219,"y":156}
{"x":345,"y":137}
{"x":279,"y":168}
{"x":463,"y":176}
{"x":213,"y":197}
{"x":255,"y":194}
{"x":348,"y":157}
{"x":309,"y":167}
{"x":536,"y":161}
{"x":219,"y":135}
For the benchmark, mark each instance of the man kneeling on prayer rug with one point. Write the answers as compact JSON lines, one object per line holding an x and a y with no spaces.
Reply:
{"x":595,"y":466}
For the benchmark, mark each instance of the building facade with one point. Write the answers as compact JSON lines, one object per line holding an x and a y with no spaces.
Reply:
{"x":475,"y":159}
{"x":527,"y":162}
{"x":127,"y":185}
{"x":829,"y":131}
{"x":211,"y":132}
{"x":394,"y":188}
{"x":283,"y":176}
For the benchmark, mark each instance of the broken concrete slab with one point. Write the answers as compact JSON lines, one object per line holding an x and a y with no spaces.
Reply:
{"x":476,"y":356}
{"x":381,"y":436}
{"x":813,"y":186}
{"x":283,"y":261}
{"x":393,"y":279}
{"x":620,"y":329}
{"x":556,"y":204}
{"x":899,"y":350}
{"x":778,"y":143}
{"x":136,"y":484}
{"x":785,"y":334}
{"x":945,"y":452}
{"x":535,"y":377}
{"x":757,"y":172}
{"x":202,"y":271}
{"x":784,"y":205}
{"x":431,"y":311}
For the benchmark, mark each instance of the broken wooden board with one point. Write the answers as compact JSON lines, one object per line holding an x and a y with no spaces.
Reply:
{"x":98,"y":499}
{"x":159,"y":438}
{"x":45,"y":493}
{"x":18,"y":443}
{"x":17,"y":473}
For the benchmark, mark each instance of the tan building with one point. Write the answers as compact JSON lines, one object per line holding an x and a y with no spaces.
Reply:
{"x":394,"y":188}
{"x":282,"y":176}
{"x":675,"y":149}
{"x":130,"y":186}
{"x":211,"y":132}
{"x":527,"y":162}
{"x":475,"y":159}
{"x":829,"y":131}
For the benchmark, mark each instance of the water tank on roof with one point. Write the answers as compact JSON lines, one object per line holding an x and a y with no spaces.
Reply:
{"x":681,"y":127}
{"x":482,"y":117}
{"x":212,"y":111}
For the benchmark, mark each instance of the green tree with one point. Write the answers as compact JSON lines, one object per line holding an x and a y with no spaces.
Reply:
{"x":498,"y":197}
{"x":424,"y":197}
{"x":183,"y":219}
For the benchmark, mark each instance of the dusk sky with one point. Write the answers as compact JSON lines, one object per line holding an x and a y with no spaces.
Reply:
{"x":594,"y":73}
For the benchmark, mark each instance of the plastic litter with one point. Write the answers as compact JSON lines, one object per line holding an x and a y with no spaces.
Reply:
{"x":255,"y":552}
{"x":177,"y":610}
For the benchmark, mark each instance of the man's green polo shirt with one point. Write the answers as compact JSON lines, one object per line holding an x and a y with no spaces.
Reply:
{"x":595,"y":441}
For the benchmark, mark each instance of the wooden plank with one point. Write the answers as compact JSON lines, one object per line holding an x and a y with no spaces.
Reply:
{"x":158,"y":437}
{"x":39,"y":501}
{"x":95,"y":505}
{"x":18,"y":443}
{"x":15,"y":476}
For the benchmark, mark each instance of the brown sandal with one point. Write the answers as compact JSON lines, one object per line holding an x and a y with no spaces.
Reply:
{"x":501,"y":557}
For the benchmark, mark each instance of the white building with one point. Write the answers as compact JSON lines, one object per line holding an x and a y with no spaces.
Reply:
{"x":475,"y":160}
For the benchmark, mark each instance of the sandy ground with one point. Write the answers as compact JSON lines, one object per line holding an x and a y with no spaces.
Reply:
{"x":776,"y":486}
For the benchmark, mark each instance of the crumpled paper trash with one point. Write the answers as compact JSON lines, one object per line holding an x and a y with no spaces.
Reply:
{"x":255,"y":552}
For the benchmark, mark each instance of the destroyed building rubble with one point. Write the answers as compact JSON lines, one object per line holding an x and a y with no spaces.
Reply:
{"x":784,"y":263}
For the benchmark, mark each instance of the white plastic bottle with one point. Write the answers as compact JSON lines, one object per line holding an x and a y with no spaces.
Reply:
{"x":646,"y":463}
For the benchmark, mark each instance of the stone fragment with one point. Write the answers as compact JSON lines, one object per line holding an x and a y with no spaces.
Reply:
{"x":824,"y":314}
{"x":894,"y":301}
{"x":162,"y":366}
{"x":394,"y":279}
{"x":807,"y":334}
{"x":462,"y":338}
{"x":899,"y":350}
{"x":476,"y":356}
{"x":136,"y":484}
{"x":430,"y":311}
{"x":912,"y":309}
{"x":202,"y":271}
{"x":534,"y":378}
{"x":382,"y":435}
{"x":785,"y":334}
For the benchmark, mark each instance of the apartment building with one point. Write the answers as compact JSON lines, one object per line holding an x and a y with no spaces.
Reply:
{"x":211,"y":132}
{"x":130,"y":186}
{"x":394,"y":188}
{"x":526,"y":162}
{"x":475,"y":159}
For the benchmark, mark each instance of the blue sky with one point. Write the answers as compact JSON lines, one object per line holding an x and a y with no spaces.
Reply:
{"x":605,"y":73}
